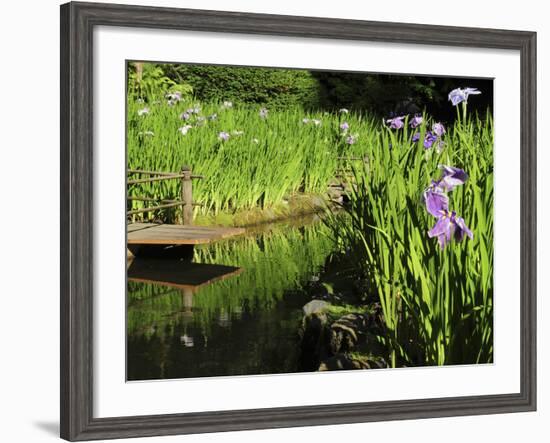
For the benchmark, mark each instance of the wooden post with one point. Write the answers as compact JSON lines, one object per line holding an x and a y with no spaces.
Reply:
{"x":187,"y":195}
{"x":187,"y":297}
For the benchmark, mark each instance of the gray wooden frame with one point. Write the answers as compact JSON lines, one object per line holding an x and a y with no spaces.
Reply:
{"x":77,"y":23}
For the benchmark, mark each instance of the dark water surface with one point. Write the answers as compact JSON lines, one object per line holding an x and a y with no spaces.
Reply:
{"x":235,"y":311}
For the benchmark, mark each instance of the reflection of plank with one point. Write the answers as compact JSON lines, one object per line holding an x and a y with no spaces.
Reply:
{"x":178,"y":274}
{"x":159,"y":234}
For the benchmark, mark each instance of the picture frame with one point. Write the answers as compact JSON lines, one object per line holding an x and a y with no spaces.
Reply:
{"x":78,"y":21}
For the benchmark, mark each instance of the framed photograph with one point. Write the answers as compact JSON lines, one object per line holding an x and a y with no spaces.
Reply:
{"x":273,"y":221}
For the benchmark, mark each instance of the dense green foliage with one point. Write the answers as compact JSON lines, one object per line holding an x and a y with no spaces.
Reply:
{"x":271,"y":159}
{"x":276,"y":88}
{"x":437,"y":303}
{"x":378,"y":94}
{"x":148,"y":82}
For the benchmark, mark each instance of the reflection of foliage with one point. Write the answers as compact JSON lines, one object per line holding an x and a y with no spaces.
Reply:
{"x":147,"y":81}
{"x":273,"y":262}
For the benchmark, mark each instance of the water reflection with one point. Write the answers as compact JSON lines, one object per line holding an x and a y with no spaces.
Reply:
{"x":234,"y":311}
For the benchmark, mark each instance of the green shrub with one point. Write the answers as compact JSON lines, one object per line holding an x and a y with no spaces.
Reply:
{"x":380,"y":93}
{"x":277,"y":88}
{"x":148,"y":82}
{"x":274,"y":88}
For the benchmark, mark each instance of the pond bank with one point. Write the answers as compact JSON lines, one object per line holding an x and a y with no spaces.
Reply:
{"x":341,"y":337}
{"x":251,"y":321}
{"x":294,"y":206}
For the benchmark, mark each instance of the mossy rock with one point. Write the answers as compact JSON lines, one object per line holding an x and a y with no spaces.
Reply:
{"x":347,"y":332}
{"x":342,"y":362}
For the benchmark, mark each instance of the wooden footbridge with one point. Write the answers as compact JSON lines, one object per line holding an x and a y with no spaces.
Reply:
{"x":159,"y":239}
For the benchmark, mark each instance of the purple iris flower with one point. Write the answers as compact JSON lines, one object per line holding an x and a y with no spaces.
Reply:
{"x":452,"y":177}
{"x":185,"y":116}
{"x":472,"y":91}
{"x":456,"y":96}
{"x":416,"y":121}
{"x":351,"y":139}
{"x":448,"y":226}
{"x":438,"y":129}
{"x":223,"y":136}
{"x":437,"y":202}
{"x":176,"y":95}
{"x":396,"y":122}
{"x":263,"y":112}
{"x":429,"y":139}
{"x":173,"y":98}
{"x":191,"y":111}
{"x":416,"y":137}
{"x":459,"y":95}
{"x":344,"y":126}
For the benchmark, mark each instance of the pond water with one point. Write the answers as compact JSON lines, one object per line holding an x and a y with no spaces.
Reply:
{"x":238,"y":311}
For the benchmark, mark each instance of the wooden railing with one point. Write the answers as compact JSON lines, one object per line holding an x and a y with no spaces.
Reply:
{"x":186,"y":194}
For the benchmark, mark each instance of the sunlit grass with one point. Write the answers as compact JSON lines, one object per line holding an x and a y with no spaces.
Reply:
{"x":437,"y":304}
{"x":264,"y":160}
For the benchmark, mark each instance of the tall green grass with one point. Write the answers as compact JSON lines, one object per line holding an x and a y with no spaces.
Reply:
{"x":273,"y":158}
{"x":437,"y":304}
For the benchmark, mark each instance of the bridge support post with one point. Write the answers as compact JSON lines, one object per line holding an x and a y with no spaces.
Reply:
{"x":187,"y":196}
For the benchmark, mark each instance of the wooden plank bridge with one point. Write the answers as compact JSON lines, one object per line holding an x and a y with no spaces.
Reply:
{"x":161,"y":234}
{"x":158,"y":238}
